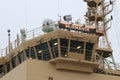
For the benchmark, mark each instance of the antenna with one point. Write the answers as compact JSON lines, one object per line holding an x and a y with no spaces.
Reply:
{"x":26,"y":6}
{"x":48,"y":25}
{"x":58,"y":6}
{"x":96,"y":8}
{"x":9,"y":40}
{"x":23,"y":35}
{"x":59,"y":17}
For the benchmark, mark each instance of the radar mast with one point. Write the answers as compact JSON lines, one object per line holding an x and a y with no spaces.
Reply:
{"x":98,"y":15}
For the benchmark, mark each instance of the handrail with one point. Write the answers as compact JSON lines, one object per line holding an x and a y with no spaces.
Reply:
{"x":29,"y":35}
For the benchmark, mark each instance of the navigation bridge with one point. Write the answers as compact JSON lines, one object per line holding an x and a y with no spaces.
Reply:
{"x":72,"y":47}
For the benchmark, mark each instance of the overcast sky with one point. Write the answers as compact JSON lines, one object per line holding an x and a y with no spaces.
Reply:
{"x":15,"y":14}
{"x":29,"y":14}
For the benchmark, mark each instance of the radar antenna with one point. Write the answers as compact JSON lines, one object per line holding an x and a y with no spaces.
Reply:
{"x":48,"y":25}
{"x":23,"y":35}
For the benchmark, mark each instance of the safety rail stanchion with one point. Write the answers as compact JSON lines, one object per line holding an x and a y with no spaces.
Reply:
{"x":29,"y":35}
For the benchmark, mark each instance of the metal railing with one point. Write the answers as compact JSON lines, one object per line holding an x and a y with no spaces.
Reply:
{"x":29,"y":35}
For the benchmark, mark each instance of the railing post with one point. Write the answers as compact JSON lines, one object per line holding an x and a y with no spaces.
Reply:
{"x":0,"y":52}
{"x":33,"y":34}
{"x":6,"y":51}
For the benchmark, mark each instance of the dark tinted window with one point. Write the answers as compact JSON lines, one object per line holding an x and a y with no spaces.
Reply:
{"x":1,"y":70}
{"x":54,"y":47}
{"x":8,"y":66}
{"x":14,"y":62}
{"x":30,"y":53}
{"x":64,"y":47}
{"x":21,"y":57}
{"x":43,"y":52}
{"x":88,"y":52}
{"x":76,"y":46}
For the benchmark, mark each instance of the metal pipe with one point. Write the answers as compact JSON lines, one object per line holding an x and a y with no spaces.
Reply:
{"x":8,"y":40}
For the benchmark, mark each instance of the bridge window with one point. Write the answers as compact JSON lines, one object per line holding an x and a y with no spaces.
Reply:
{"x":43,"y":52}
{"x":30,"y":53}
{"x":14,"y":62}
{"x":76,"y":46}
{"x":21,"y":57}
{"x":1,"y":70}
{"x":88,"y":54}
{"x":64,"y":47}
{"x":54,"y":47}
{"x":8,"y":66}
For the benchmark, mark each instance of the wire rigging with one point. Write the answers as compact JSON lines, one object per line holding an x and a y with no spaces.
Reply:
{"x":58,"y":9}
{"x":26,"y":12}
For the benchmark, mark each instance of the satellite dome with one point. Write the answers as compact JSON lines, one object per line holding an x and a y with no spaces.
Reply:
{"x":23,"y":32}
{"x":48,"y":25}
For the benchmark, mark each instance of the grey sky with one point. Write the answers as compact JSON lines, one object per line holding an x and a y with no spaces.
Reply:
{"x":29,"y":14}
{"x":15,"y":14}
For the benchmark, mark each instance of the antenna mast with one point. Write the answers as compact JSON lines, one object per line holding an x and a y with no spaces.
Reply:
{"x":59,"y":17}
{"x":26,"y":10}
{"x":9,"y":42}
{"x":98,"y":16}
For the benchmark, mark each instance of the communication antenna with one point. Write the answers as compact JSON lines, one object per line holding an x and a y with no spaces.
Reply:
{"x":58,"y":6}
{"x":26,"y":10}
{"x":67,"y":18}
{"x":9,"y":40}
{"x":98,"y":15}
{"x":59,"y":17}
{"x":23,"y":35}
{"x":48,"y":25}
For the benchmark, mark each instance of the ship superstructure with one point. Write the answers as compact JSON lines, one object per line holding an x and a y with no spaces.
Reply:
{"x":69,"y":51}
{"x":98,"y":15}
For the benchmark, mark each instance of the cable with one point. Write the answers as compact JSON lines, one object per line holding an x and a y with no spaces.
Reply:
{"x":58,"y":9}
{"x":26,"y":10}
